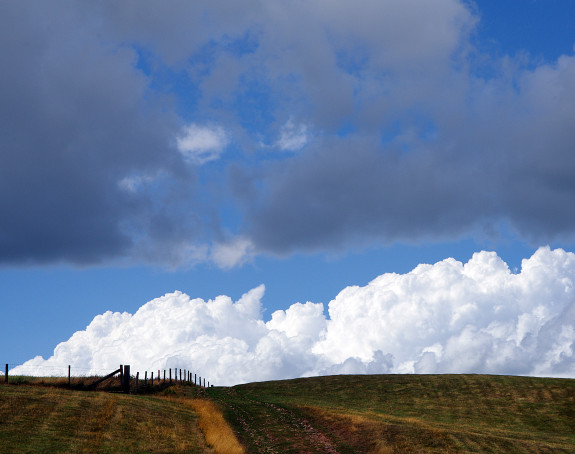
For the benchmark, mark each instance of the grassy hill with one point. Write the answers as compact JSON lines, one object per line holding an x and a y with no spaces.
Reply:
{"x":405,"y":413}
{"x":338,"y":414}
{"x":36,"y":419}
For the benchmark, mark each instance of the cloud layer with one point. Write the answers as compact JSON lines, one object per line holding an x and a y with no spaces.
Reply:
{"x":392,"y":122}
{"x":449,"y":317}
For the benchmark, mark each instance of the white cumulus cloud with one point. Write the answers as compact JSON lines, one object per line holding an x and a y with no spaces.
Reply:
{"x":231,"y":253}
{"x":293,"y":137}
{"x":201,"y":144}
{"x":448,"y":317}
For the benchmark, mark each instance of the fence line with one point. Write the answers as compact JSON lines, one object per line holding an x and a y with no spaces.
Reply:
{"x":181,"y":376}
{"x":55,"y":371}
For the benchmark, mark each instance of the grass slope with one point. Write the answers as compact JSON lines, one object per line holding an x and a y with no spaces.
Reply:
{"x":404,"y":413}
{"x":337,"y":414}
{"x":52,"y":420}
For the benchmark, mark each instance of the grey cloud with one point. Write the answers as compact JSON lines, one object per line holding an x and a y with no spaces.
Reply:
{"x":405,"y":140}
{"x":464,"y":153}
{"x":75,"y":123}
{"x":177,"y":29}
{"x":515,"y":165}
{"x":354,"y":191}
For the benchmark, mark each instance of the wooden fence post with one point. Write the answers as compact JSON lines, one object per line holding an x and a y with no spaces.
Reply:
{"x":69,"y":379}
{"x":121,"y":376}
{"x":170,"y":370}
{"x":158,"y":376}
{"x":152,"y":379}
{"x":126,"y":384}
{"x":6,"y":374}
{"x":137,"y":381}
{"x":164,"y":375}
{"x":146,"y":378}
{"x":195,"y":379}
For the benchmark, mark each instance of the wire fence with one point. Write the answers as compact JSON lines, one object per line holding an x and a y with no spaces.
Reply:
{"x":16,"y":373}
{"x":55,"y":371}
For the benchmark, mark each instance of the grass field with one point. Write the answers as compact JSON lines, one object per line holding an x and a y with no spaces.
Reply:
{"x":405,"y":413}
{"x":40,"y":419}
{"x":338,"y":414}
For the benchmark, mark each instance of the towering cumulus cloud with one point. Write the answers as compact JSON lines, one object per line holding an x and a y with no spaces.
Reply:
{"x":449,"y":317}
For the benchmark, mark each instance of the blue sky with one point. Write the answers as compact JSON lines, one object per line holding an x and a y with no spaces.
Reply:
{"x":308,"y":147}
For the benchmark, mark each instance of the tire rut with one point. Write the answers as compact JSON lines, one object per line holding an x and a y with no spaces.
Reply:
{"x":269,"y":428}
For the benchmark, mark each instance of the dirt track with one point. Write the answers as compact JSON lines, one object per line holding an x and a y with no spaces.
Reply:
{"x":268,"y":428}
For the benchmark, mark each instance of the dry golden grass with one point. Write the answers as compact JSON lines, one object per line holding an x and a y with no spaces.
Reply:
{"x":215,"y":428}
{"x":382,"y":449}
{"x":53,"y":420}
{"x":368,"y":414}
{"x":432,"y":413}
{"x":373,"y":434}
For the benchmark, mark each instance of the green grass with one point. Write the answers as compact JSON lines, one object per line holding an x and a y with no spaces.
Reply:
{"x":338,"y":414}
{"x":425,"y":413}
{"x":48,"y":419}
{"x":77,"y":383}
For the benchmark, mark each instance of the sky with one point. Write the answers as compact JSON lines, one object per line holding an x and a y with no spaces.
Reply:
{"x":287,"y":157}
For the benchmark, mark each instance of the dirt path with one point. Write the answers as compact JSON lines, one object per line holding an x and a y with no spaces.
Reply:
{"x":268,"y":428}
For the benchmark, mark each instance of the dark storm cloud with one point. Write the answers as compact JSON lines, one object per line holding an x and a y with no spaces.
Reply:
{"x":355,"y":191}
{"x":540,"y":171}
{"x":74,"y":125}
{"x":451,"y":150}
{"x":344,"y":124}
{"x":493,"y":151}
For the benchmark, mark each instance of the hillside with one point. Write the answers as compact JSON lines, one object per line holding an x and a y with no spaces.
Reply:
{"x":337,"y":414}
{"x":35,"y":419}
{"x":404,"y":413}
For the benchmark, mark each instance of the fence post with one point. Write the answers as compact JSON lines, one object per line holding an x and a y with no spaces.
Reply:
{"x":126,"y":384}
{"x":146,"y":378}
{"x":121,"y":376}
{"x":69,"y":380}
{"x":6,"y":374}
{"x":195,"y":379}
{"x":158,"y":376}
{"x":152,"y":378}
{"x":164,"y":375}
{"x":137,"y":381}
